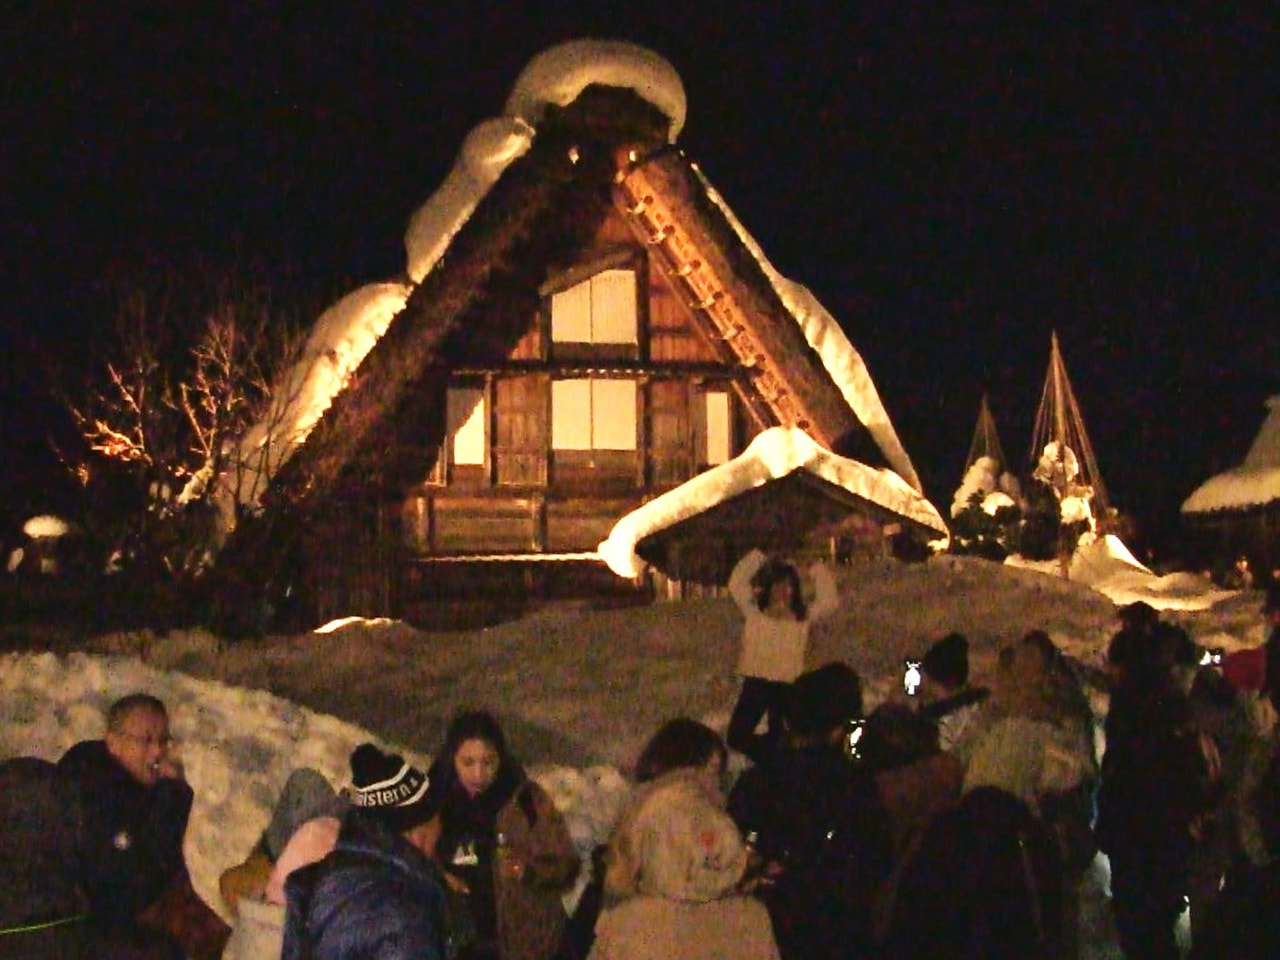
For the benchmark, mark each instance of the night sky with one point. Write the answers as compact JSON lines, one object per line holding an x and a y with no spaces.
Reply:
{"x":953,"y":183}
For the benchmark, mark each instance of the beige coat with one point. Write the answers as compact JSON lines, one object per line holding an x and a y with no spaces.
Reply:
{"x":676,"y":858}
{"x":650,"y":927}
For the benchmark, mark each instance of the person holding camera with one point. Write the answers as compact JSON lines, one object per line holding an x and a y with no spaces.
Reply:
{"x":949,"y":702}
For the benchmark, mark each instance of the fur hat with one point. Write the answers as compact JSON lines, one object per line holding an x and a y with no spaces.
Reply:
{"x":386,"y":787}
{"x":947,"y":661}
{"x":824,"y":698}
{"x":676,"y":843}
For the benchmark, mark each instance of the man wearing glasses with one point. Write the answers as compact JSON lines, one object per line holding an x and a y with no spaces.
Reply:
{"x":136,"y":804}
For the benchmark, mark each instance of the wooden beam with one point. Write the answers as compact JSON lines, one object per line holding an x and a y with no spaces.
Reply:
{"x":680,"y":259}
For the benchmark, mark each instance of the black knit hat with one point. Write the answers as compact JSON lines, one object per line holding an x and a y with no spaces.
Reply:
{"x":947,"y":661}
{"x":385,"y":786}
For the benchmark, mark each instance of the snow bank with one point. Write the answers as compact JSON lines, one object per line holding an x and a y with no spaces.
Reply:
{"x":238,"y":747}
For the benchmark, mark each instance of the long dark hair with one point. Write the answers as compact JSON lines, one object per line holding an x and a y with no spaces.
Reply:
{"x":769,"y":574}
{"x":682,"y":742}
{"x":484,"y":726}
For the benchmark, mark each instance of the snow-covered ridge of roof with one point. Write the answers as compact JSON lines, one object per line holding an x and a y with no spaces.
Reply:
{"x":773,"y":454}
{"x":558,"y":75}
{"x":489,"y":149}
{"x":1255,"y":483}
{"x":838,"y":355}
{"x":337,"y":345}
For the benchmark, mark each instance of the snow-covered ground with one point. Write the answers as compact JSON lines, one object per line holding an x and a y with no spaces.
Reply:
{"x":578,"y":691}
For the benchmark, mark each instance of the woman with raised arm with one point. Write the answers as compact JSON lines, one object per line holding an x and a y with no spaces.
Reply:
{"x":775,"y":640}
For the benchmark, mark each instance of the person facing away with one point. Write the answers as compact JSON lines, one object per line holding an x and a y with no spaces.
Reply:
{"x":42,"y":907}
{"x":949,"y":701}
{"x":775,"y":640}
{"x":1155,"y":788}
{"x":378,"y":895}
{"x":681,"y":744}
{"x":136,"y":804}
{"x":504,"y":846}
{"x":679,"y":897}
{"x":1133,"y":640}
{"x":812,"y":810}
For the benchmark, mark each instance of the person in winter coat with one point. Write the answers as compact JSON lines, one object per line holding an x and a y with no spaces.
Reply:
{"x":775,"y":640}
{"x":813,"y":812}
{"x":503,"y":845}
{"x":683,"y":861}
{"x":136,"y":805}
{"x":950,"y":702}
{"x":42,"y":907}
{"x":1157,"y":774}
{"x":976,"y":887}
{"x":378,"y":895}
{"x":681,"y":744}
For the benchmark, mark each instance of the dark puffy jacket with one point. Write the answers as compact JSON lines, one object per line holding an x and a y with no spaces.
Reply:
{"x":132,"y":833}
{"x":819,"y":817}
{"x":375,"y":897}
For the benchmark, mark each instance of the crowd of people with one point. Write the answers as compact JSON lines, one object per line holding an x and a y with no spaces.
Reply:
{"x":953,"y":820}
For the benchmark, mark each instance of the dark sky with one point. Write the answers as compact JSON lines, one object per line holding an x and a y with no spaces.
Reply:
{"x":953,"y":181}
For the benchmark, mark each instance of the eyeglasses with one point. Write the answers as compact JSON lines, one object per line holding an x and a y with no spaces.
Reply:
{"x":164,"y":741}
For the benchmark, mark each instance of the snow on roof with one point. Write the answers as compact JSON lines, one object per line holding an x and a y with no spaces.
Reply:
{"x":337,"y":345}
{"x":46,"y":525}
{"x":1254,"y":483}
{"x":558,"y":75}
{"x":773,"y":454}
{"x":842,"y":361}
{"x":555,"y":76}
{"x":488,"y":150}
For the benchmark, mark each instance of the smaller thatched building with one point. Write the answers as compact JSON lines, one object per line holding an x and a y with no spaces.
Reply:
{"x":1237,"y":512}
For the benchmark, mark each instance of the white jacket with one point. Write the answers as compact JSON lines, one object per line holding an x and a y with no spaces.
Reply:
{"x":774,"y":648}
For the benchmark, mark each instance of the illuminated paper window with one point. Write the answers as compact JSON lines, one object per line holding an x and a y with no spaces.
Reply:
{"x":599,"y":310}
{"x":593,"y":414}
{"x":466,"y":413}
{"x":718,"y":432}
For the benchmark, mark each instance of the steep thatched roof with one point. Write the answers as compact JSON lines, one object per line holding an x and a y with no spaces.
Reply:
{"x":481,"y":298}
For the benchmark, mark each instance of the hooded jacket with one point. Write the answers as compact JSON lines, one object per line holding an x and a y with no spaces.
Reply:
{"x":375,"y":897}
{"x":678,"y":859}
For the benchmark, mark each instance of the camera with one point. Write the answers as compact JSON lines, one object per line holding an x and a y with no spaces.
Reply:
{"x":911,"y":677}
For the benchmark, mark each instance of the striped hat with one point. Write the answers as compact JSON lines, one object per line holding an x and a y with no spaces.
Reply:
{"x":385,"y":786}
